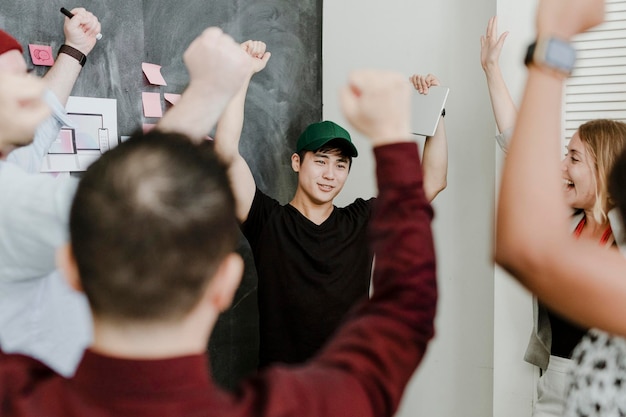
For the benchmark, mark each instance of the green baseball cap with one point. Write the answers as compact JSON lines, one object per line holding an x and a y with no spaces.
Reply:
{"x":317,"y":135}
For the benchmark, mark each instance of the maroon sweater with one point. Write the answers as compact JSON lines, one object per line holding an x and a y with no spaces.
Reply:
{"x":361,"y":372}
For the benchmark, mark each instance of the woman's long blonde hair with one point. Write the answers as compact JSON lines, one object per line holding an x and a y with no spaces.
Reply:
{"x":605,"y":140}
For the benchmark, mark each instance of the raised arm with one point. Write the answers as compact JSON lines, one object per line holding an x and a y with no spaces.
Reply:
{"x":576,"y":278}
{"x":217,"y":68}
{"x":228,"y":133}
{"x":503,"y":106}
{"x":80,"y":33}
{"x":435,"y":158}
{"x":400,"y":315}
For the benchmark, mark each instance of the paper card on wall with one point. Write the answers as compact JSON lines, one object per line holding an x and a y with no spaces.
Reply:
{"x":65,"y":142}
{"x":152,"y":104}
{"x":41,"y":54}
{"x":153,"y":73}
{"x":146,"y":127}
{"x":172,"y":98}
{"x":91,"y":129}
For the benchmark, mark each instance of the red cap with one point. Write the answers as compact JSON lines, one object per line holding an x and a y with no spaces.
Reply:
{"x":8,"y":43}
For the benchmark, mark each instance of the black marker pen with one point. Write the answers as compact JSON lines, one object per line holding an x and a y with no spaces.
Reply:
{"x":70,"y":15}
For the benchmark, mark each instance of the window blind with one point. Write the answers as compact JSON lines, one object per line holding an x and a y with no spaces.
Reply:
{"x":597,"y":86}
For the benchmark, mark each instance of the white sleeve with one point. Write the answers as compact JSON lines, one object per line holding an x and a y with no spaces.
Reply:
{"x":30,"y":157}
{"x":34,"y":212}
{"x":504,"y":139}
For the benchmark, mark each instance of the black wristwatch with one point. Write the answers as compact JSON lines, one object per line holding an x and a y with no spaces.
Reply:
{"x":552,"y":53}
{"x":74,"y":53}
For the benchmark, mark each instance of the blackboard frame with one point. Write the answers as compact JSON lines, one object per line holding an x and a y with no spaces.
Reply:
{"x":281,"y":102}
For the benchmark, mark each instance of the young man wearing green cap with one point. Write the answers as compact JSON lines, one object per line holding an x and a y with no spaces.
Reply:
{"x":312,"y":258}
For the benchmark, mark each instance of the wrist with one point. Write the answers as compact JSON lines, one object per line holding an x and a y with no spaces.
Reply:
{"x":80,"y":46}
{"x":552,"y":55}
{"x":73,"y":52}
{"x":491,"y":67}
{"x":390,"y":136}
{"x":493,"y":75}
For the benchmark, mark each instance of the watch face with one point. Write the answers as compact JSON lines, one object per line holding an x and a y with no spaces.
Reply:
{"x":560,"y":54}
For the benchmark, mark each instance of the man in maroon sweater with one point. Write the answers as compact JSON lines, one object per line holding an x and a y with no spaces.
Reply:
{"x":153,"y":234}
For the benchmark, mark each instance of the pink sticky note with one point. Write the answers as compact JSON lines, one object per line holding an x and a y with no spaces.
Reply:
{"x":152,"y":104}
{"x":153,"y":73}
{"x":41,"y":54}
{"x":146,"y":127}
{"x":172,"y":98}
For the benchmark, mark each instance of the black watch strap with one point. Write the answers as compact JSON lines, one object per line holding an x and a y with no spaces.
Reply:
{"x":551,"y":53}
{"x":74,"y":53}
{"x":530,"y":53}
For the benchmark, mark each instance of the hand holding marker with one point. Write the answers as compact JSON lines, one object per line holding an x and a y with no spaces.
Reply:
{"x":70,"y":15}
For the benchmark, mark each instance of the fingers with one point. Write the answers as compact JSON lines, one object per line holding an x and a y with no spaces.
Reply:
{"x":501,"y":40}
{"x":377,"y":103}
{"x":81,"y":31}
{"x":420,"y":83}
{"x":489,"y":26}
{"x":86,"y":21}
{"x":491,"y":45}
{"x":432,"y":80}
{"x":423,"y":82}
{"x":258,"y":51}
{"x":491,"y":34}
{"x":493,"y":30}
{"x":216,"y":63}
{"x":255,"y":49}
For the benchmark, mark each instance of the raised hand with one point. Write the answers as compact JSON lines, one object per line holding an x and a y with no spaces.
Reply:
{"x":491,"y":45}
{"x":423,"y":82}
{"x":81,"y":30}
{"x":378,"y":104}
{"x":216,"y":64}
{"x":258,"y":54}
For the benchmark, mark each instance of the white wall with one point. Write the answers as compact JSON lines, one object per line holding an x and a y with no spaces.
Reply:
{"x":514,"y":379}
{"x":442,"y":37}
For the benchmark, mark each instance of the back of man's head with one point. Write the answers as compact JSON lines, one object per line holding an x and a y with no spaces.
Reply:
{"x":150,"y":223}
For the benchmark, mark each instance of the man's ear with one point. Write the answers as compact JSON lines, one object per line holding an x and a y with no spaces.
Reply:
{"x":221,"y":290}
{"x":295,"y":162}
{"x":67,"y":263}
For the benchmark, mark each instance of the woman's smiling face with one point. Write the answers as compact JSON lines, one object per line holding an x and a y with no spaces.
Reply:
{"x":579,"y":175}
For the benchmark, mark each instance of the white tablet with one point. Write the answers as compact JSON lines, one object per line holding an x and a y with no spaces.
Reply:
{"x":426,"y":110}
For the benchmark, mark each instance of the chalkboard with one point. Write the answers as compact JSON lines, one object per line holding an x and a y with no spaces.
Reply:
{"x":282,"y":100}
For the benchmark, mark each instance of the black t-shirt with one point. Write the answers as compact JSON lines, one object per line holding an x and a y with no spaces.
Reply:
{"x":309,"y":275}
{"x":565,"y":335}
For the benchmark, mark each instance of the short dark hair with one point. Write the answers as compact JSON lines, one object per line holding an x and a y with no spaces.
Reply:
{"x":150,"y":223}
{"x":331,"y":146}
